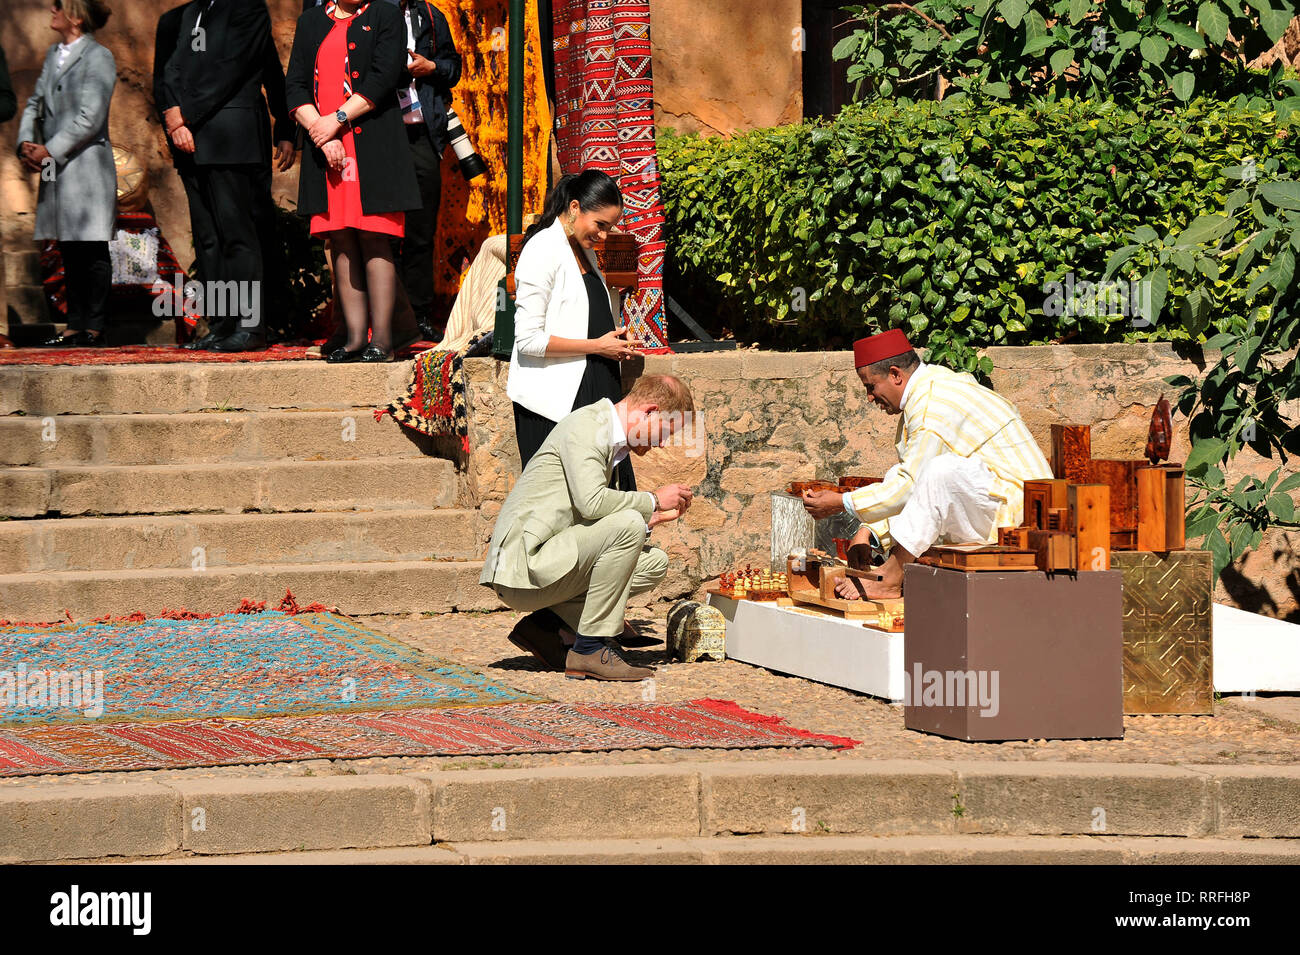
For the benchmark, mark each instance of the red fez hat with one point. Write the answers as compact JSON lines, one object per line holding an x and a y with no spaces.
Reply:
{"x":885,"y":345}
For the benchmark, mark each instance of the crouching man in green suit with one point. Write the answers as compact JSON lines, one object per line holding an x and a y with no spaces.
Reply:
{"x":571,"y":550}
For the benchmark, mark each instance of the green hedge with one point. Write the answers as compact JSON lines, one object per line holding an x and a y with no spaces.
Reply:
{"x":950,"y":219}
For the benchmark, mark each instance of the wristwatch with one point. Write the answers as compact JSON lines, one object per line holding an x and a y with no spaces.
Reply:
{"x":342,"y":117}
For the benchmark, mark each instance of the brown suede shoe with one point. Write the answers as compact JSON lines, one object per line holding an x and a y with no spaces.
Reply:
{"x":536,"y":634}
{"x":605,"y":664}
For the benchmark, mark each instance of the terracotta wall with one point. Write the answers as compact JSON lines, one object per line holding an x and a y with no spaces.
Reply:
{"x":774,"y":417}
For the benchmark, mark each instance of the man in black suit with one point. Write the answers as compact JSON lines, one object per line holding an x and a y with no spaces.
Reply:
{"x":210,"y":97}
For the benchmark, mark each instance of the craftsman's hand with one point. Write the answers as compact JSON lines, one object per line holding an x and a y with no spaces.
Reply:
{"x":335,"y":155}
{"x":286,"y":154}
{"x":324,"y":130}
{"x":183,"y":139}
{"x":674,"y":497}
{"x":663,"y":517}
{"x":618,"y":345}
{"x":172,"y":119}
{"x":821,"y":504}
{"x":420,"y":66}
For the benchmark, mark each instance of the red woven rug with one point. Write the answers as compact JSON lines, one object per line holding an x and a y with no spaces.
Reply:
{"x":471,"y":731}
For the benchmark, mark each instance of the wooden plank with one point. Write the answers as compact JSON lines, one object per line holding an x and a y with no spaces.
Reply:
{"x":1175,"y":508}
{"x":1151,"y":509}
{"x":1090,"y":518}
{"x":1071,"y":451}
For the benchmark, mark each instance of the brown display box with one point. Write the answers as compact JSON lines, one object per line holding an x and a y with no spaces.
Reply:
{"x":1016,"y":655}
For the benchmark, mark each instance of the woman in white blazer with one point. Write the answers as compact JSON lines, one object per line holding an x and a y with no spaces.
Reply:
{"x":568,"y":343}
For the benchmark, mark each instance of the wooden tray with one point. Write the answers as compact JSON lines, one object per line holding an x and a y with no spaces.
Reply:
{"x":979,"y":557}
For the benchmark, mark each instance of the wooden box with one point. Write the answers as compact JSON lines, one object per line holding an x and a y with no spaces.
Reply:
{"x":1048,"y":654}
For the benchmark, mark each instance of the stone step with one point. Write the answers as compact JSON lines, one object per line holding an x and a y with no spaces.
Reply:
{"x":198,"y":386}
{"x":376,"y":483}
{"x":224,"y":540}
{"x":202,"y":438}
{"x":796,"y":850}
{"x":407,"y":586}
{"x":757,"y":809}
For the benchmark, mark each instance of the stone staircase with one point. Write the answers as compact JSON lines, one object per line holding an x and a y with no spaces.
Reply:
{"x":162,"y":486}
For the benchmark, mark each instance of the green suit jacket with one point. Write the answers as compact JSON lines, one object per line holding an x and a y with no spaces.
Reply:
{"x":566,"y":484}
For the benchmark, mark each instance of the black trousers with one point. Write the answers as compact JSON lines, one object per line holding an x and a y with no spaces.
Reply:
{"x":227,"y":231}
{"x":88,"y":277}
{"x":416,"y":259}
{"x":531,"y":429}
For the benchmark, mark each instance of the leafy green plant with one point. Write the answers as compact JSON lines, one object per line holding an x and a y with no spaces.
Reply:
{"x":1127,"y":49}
{"x":950,"y":220}
{"x":1240,"y":401}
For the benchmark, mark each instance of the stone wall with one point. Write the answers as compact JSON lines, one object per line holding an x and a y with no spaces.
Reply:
{"x":770,"y":418}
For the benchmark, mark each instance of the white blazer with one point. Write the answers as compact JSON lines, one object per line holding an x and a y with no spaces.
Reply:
{"x":550,"y":299}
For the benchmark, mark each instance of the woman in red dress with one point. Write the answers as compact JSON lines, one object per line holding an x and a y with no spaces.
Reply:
{"x":351,"y":49}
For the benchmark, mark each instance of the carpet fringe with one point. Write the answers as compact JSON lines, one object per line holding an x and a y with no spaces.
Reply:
{"x":288,"y":604}
{"x":731,"y":708}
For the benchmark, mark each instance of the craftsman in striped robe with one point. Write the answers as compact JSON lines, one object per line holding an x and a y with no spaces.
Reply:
{"x":964,"y":455}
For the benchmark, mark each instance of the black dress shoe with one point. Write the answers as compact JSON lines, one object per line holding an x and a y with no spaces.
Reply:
{"x":374,"y":354}
{"x":341,"y":355}
{"x":430,"y":333}
{"x":206,"y":343}
{"x":74,"y":338}
{"x":241,"y":341}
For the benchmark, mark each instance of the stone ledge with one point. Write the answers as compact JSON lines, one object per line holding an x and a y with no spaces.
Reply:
{"x":1173,"y":808}
{"x":222,"y":816}
{"x":809,"y":849}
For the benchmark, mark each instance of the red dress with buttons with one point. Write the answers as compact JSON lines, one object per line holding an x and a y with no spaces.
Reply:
{"x":343,"y":186}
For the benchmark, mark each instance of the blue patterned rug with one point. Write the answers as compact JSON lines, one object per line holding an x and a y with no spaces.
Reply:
{"x":237,"y":665}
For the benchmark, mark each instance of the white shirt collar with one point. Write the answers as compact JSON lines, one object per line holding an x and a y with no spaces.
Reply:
{"x":617,"y":433}
{"x":67,"y":47}
{"x":902,"y":401}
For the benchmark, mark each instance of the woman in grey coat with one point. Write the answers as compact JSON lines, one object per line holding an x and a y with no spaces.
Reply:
{"x":64,"y":139}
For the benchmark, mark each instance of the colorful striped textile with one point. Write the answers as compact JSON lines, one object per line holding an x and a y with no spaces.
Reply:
{"x":604,"y":119}
{"x":476,"y":731}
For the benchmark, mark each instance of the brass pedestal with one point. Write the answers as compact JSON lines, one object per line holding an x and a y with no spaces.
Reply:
{"x":1168,"y":659}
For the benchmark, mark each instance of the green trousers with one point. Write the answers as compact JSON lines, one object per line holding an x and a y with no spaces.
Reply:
{"x":613,"y":563}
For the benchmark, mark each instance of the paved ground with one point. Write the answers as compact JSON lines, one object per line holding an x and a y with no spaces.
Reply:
{"x":1243,"y":732}
{"x":1261,"y":731}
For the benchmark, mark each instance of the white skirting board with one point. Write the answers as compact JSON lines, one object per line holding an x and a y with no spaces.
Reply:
{"x":1252,"y":653}
{"x":822,"y":648}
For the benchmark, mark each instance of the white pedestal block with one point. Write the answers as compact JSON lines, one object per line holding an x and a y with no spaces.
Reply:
{"x":816,"y":647}
{"x":1252,"y":653}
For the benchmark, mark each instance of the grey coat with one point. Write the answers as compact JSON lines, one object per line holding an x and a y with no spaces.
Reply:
{"x":78,"y":200}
